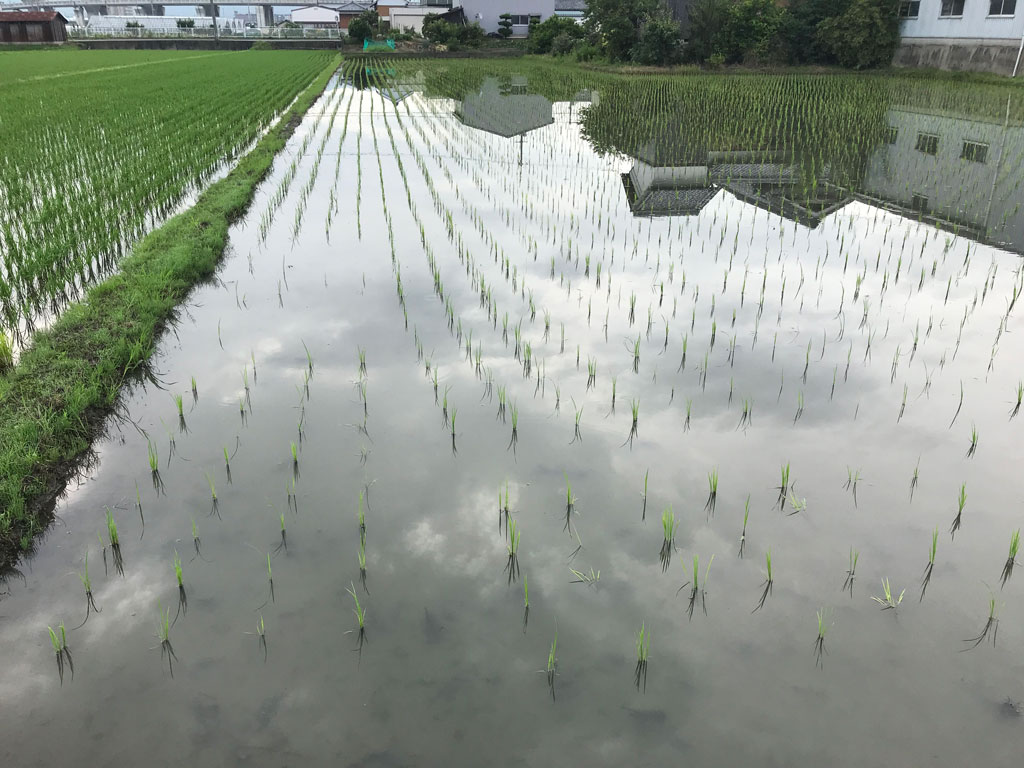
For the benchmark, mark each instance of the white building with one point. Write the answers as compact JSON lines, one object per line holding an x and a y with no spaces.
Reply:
{"x":984,"y":35}
{"x":328,"y":16}
{"x":487,"y":13}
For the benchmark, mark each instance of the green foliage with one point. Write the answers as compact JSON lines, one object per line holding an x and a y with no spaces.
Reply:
{"x":864,"y":36}
{"x":799,"y":30}
{"x":618,"y":23}
{"x":660,"y":43}
{"x":543,"y":35}
{"x":438,"y":30}
{"x":364,"y":26}
{"x":505,"y":25}
{"x":751,"y":31}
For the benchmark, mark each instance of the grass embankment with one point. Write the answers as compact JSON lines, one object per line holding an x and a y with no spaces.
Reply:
{"x":53,"y":404}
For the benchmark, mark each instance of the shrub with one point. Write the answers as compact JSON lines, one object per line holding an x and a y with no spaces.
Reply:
{"x":586,"y":51}
{"x":505,"y":25}
{"x":562,"y":44}
{"x":542,"y":35}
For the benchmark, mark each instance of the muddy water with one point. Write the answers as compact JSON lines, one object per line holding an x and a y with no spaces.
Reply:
{"x":449,"y":672}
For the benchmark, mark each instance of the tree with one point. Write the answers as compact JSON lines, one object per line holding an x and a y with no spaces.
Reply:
{"x":186,"y":23}
{"x":618,"y":22}
{"x":505,"y":25}
{"x":543,"y":35}
{"x":660,"y":43}
{"x":707,"y":20}
{"x":751,"y":31}
{"x":364,"y":25}
{"x":865,"y":36}
{"x":799,"y":30}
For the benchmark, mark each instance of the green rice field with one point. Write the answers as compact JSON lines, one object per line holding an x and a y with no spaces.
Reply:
{"x":537,"y":416}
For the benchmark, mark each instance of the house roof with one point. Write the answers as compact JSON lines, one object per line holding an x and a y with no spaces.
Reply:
{"x":664,"y":201}
{"x":570,"y":5}
{"x":16,"y":16}
{"x":353,"y":7}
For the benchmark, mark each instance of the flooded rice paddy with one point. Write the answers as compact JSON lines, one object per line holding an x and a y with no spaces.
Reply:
{"x":715,"y":382}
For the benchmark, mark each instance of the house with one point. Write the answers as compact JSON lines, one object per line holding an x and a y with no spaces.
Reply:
{"x":32,"y":27}
{"x":959,"y":173}
{"x":335,"y":16}
{"x":505,"y":108}
{"x":571,"y":9}
{"x":408,"y":16}
{"x":980,"y":35}
{"x":487,"y":13}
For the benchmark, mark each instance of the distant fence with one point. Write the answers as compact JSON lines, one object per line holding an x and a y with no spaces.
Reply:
{"x":206,"y":33}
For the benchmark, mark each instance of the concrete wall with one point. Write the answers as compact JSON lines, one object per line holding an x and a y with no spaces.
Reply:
{"x":487,"y":12}
{"x":959,"y":55}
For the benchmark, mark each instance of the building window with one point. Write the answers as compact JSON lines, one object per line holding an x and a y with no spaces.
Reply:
{"x":1002,"y":7}
{"x":890,"y":134}
{"x":953,"y":8}
{"x":919,"y":203}
{"x":909,"y":9}
{"x":520,"y":20}
{"x":974,"y":151}
{"x":927,"y":143}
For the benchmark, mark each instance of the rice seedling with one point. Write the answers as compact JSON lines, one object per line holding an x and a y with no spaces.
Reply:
{"x":959,"y":406}
{"x":261,"y":636}
{"x":643,"y":646}
{"x":709,"y":505}
{"x":182,"y":596}
{"x":214,"y":504}
{"x":582,"y":577}
{"x":914,"y":478}
{"x":783,"y":487}
{"x":295,"y":461}
{"x":360,"y":614}
{"x":819,"y":642}
{"x":163,"y":634}
{"x":591,"y":372}
{"x":154,"y":465}
{"x":851,"y":572}
{"x":309,"y":357}
{"x":927,"y":576}
{"x":526,"y":603}
{"x":552,"y":665}
{"x":989,"y":631}
{"x":361,"y":517}
{"x":643,"y":511}
{"x":515,"y":430}
{"x":743,"y":533}
{"x":634,"y":406}
{"x":668,"y":526}
{"x":454,"y":412}
{"x":90,"y":604}
{"x":887,"y":601}
{"x":1010,"y":559}
{"x":769,"y":581}
{"x":576,"y":429}
{"x":512,"y":564}
{"x":362,"y":564}
{"x":362,"y":361}
{"x":961,"y":503}
{"x":1020,"y":398}
{"x":283,"y":544}
{"x":799,"y":406}
{"x":852,"y":478}
{"x":182,"y":426}
{"x":697,"y":588}
{"x":974,"y":442}
{"x":689,"y":412}
{"x":747,"y":414}
{"x":59,"y":641}
{"x":114,"y":543}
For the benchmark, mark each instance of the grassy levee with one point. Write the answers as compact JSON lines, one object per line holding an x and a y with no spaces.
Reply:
{"x":54,"y":403}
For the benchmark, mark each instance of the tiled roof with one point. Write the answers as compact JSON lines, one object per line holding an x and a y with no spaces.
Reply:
{"x":29,"y":15}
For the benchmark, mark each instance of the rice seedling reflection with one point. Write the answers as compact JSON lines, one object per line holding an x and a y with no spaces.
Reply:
{"x":668,"y":525}
{"x":927,"y":576}
{"x":851,"y":572}
{"x":989,"y":631}
{"x":819,"y":643}
{"x":59,"y":641}
{"x":769,"y":581}
{"x":643,"y":645}
{"x":1010,"y":559}
{"x":360,"y":614}
{"x":164,"y":637}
